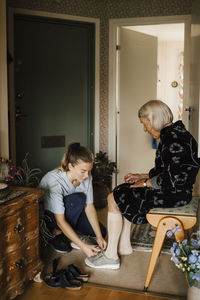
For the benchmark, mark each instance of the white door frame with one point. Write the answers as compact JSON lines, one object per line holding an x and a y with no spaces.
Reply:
{"x":96,"y":22}
{"x":114,"y":24}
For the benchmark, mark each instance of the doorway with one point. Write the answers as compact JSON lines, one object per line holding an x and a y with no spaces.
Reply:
{"x":141,"y":66}
{"x":53,"y":102}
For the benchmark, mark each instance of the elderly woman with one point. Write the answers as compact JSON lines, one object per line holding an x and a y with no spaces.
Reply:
{"x":168,"y":184}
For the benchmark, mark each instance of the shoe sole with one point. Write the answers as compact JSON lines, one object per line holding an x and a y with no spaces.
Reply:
{"x":59,"y":287}
{"x":74,"y":246}
{"x":112,"y":267}
{"x":59,"y":251}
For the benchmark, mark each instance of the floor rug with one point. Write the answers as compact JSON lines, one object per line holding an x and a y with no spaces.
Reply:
{"x":143,"y":237}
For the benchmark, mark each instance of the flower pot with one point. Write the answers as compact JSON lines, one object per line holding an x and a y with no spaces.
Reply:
{"x":4,"y":190}
{"x":101,"y":192}
{"x":193,"y":293}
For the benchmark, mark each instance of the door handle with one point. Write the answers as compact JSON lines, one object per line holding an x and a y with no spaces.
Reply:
{"x":189,"y":109}
{"x":20,"y":116}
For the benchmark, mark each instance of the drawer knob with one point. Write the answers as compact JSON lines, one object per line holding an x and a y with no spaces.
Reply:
{"x":19,"y":264}
{"x":19,"y":228}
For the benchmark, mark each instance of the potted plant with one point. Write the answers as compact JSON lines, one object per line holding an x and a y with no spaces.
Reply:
{"x":8,"y":173}
{"x":26,"y":176}
{"x":102,"y":172}
{"x":186,"y":256}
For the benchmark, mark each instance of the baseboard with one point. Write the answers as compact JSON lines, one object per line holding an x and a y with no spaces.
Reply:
{"x":158,"y":295}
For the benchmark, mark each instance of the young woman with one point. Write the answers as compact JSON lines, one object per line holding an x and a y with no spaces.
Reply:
{"x":68,"y":203}
{"x":168,"y":184}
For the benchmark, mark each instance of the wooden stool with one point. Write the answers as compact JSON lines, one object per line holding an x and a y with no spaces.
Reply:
{"x":165,"y":219}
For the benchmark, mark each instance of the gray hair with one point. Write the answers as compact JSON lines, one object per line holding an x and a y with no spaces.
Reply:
{"x":157,"y":112}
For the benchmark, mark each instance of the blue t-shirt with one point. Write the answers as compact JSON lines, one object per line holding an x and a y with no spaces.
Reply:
{"x":56,"y":185}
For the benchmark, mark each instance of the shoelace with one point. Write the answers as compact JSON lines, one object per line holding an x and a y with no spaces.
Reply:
{"x":100,"y":254}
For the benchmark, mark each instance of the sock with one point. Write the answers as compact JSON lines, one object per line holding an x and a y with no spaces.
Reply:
{"x":125,"y":247}
{"x":114,"y":230}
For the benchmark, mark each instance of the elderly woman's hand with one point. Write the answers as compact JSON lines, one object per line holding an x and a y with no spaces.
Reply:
{"x":131,"y":178}
{"x":140,"y":183}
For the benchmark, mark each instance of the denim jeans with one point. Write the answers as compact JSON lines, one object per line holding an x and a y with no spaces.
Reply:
{"x":75,"y":216}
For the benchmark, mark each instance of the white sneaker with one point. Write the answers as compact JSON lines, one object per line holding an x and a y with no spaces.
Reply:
{"x":89,"y":240}
{"x":74,"y":246}
{"x":100,"y":261}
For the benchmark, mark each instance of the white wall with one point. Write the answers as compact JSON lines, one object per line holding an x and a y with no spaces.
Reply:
{"x":169,"y":64}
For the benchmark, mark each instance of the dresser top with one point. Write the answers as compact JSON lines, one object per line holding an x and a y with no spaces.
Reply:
{"x":11,"y":206}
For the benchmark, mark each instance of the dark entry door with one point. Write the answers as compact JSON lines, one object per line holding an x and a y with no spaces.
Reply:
{"x":54,"y":79}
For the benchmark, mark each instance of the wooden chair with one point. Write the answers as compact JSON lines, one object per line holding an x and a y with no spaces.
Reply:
{"x":165,"y":219}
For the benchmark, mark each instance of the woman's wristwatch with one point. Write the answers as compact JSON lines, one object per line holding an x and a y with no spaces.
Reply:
{"x":145,"y":182}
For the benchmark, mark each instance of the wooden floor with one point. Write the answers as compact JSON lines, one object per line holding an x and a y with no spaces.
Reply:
{"x":40,"y":291}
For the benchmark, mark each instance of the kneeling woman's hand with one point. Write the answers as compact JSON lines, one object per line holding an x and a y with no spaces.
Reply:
{"x":102,"y":243}
{"x":90,"y":250}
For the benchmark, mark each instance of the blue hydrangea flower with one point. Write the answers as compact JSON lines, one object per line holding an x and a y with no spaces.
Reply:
{"x":198,"y":265}
{"x":195,"y":252}
{"x":184,"y":242}
{"x":172,"y":251}
{"x":178,"y":251}
{"x":196,"y":244}
{"x":196,"y":276}
{"x":192,"y":259}
{"x":171,"y":232}
{"x":175,"y":260}
{"x":175,"y":245}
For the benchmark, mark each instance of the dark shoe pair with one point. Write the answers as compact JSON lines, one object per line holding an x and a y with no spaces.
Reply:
{"x":62,"y":279}
{"x":61,"y":243}
{"x":70,"y":278}
{"x":77,"y":273}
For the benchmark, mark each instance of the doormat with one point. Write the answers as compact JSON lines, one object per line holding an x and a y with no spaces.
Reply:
{"x":143,"y":237}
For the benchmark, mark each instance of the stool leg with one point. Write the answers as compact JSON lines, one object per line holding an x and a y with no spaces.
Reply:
{"x":165,"y":224}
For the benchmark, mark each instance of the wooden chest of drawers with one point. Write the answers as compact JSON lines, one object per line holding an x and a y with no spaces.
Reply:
{"x":19,"y":242}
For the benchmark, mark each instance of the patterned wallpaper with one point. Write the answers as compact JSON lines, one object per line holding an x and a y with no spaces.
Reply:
{"x":104,"y":10}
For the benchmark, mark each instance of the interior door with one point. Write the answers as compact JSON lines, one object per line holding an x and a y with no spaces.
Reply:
{"x":195,"y":81}
{"x":54,"y":79}
{"x":137,"y":85}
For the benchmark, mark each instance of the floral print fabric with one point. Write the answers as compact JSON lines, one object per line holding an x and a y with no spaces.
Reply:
{"x":175,"y":171}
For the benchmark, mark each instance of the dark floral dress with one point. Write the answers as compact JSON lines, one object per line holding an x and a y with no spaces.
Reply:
{"x":175,"y":171}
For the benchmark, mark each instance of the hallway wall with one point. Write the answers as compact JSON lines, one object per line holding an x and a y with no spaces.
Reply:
{"x":104,"y":10}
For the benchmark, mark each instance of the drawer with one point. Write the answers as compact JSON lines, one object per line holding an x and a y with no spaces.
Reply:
{"x":20,"y":262}
{"x":20,"y":227}
{"x":31,"y":218}
{"x":19,"y":257}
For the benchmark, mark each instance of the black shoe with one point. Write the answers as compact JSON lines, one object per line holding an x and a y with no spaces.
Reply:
{"x":60,"y":280}
{"x":77,"y":273}
{"x":61,"y":243}
{"x":70,"y":277}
